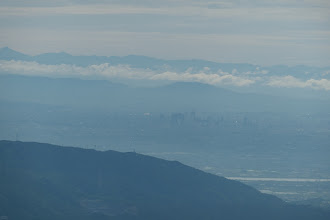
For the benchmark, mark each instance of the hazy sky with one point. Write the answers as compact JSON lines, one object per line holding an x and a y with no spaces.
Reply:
{"x":259,"y":32}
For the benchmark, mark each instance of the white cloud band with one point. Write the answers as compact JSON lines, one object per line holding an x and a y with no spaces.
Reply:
{"x":106,"y":71}
{"x":292,"y":82}
{"x":125,"y":72}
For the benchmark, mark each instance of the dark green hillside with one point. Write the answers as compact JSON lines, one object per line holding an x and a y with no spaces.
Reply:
{"x":42,"y":181}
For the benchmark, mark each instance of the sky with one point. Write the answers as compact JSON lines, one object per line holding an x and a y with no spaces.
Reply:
{"x":289,"y":32}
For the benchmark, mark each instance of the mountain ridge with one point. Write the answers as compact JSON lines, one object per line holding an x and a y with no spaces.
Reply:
{"x":43,"y":58}
{"x":181,"y":96}
{"x":7,"y":53}
{"x":65,"y":182}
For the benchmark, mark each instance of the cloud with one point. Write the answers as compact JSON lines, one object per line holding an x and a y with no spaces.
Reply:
{"x":65,"y":70}
{"x":106,"y":71}
{"x":292,"y":82}
{"x":123,"y":73}
{"x":212,"y":79}
{"x":258,"y":71}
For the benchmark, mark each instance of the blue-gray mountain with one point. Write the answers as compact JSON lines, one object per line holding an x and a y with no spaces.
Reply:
{"x":297,"y":81}
{"x":113,"y":97}
{"x":154,"y":63}
{"x":42,"y":181}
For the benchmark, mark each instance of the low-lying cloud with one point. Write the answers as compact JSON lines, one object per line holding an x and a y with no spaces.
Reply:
{"x":126,"y":72}
{"x":212,"y":79}
{"x":292,"y":82}
{"x":106,"y":71}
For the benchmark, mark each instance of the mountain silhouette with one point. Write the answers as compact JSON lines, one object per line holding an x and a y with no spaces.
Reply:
{"x":43,"y":181}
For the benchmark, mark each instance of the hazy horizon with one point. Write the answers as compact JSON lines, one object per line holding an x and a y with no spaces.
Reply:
{"x":263,"y":33}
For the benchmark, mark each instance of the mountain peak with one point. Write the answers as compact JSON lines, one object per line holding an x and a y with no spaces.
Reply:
{"x":7,"y":53}
{"x":7,"y":49}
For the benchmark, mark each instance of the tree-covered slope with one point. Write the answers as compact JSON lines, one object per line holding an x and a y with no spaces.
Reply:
{"x":42,"y":181}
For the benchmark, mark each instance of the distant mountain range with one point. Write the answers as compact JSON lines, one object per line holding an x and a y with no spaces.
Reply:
{"x":94,"y":92}
{"x":134,"y":60}
{"x":98,"y":95}
{"x":141,"y":71}
{"x":138,"y":61}
{"x":42,"y":181}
